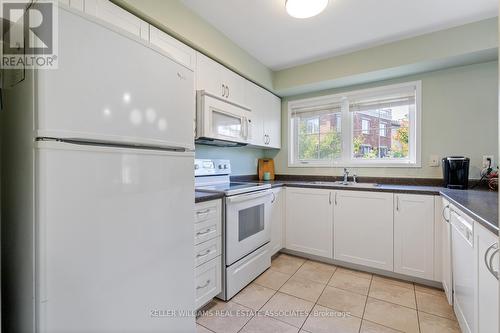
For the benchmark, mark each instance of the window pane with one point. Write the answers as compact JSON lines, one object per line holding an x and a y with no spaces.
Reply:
{"x":319,"y":136}
{"x":381,"y":130}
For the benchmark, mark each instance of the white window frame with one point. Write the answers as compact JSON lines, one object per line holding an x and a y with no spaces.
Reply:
{"x":347,"y":160}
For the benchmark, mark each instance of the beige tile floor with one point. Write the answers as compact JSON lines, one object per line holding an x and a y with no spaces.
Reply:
{"x":299,"y":295}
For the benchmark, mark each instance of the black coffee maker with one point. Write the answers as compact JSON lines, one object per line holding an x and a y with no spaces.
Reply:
{"x":456,"y":172}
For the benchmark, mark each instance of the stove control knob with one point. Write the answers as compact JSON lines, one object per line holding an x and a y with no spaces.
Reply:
{"x":220,"y":166}
{"x":196,"y":166}
{"x":225,"y":166}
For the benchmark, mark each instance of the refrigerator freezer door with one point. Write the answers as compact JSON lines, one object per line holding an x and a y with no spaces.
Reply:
{"x":114,"y":239}
{"x":110,"y":87}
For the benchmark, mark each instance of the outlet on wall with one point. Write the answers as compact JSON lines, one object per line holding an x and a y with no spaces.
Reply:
{"x":434,"y":161}
{"x":485,"y":160}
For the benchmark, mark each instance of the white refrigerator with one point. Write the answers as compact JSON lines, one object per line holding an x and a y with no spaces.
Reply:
{"x":98,"y":189}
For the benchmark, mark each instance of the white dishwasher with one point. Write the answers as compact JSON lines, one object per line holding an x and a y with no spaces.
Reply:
{"x":462,"y":242}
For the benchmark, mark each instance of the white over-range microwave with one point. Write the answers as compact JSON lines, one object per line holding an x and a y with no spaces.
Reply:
{"x":220,"y":122}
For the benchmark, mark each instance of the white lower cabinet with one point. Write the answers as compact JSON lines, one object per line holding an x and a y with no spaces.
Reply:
{"x":208,"y":281}
{"x":486,"y":307}
{"x":207,"y":251}
{"x":309,"y":221}
{"x":363,"y":228}
{"x":276,"y":216}
{"x":414,"y":235}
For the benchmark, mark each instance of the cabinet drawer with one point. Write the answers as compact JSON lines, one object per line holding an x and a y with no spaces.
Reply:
{"x":208,"y":281}
{"x":207,"y":230}
{"x":207,"y":211}
{"x":207,"y":251}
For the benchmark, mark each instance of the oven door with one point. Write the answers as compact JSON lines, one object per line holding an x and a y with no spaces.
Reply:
{"x":247,"y":224}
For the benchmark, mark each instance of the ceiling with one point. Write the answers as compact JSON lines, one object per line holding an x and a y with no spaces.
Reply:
{"x":264,"y":29}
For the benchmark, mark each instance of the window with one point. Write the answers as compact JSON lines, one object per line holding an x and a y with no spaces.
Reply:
{"x":318,"y":133}
{"x":365,"y":126}
{"x":382,"y":131}
{"x":312,"y":126}
{"x":383,"y":128}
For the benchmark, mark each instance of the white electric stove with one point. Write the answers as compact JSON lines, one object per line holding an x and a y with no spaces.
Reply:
{"x":247,"y":231}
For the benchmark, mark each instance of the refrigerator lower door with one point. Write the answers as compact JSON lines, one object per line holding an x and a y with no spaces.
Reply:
{"x":113,"y":88}
{"x":114,"y":245}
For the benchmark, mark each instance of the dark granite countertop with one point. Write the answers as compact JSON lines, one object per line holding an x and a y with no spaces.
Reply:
{"x":481,"y":204}
{"x":207,"y":196}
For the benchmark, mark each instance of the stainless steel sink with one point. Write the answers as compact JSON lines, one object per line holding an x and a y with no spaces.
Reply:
{"x":350,"y":184}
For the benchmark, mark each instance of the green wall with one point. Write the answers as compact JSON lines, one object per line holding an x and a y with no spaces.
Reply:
{"x":463,"y":45}
{"x":243,"y":159}
{"x":459,"y":117}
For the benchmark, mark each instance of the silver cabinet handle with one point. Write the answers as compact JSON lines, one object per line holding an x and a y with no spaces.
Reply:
{"x":206,"y":253}
{"x":444,"y":215}
{"x":274,"y":198}
{"x":489,"y":261}
{"x":330,"y":198}
{"x":201,"y":212}
{"x":397,"y":203}
{"x":223,"y":90}
{"x":495,"y":273}
{"x":227,"y":95}
{"x":204,"y":285}
{"x":335,"y":198}
{"x":199,"y":233}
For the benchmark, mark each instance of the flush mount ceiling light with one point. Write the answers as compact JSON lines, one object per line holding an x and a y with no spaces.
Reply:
{"x":305,"y":8}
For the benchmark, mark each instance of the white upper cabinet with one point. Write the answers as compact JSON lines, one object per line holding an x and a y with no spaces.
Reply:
{"x":255,"y":100}
{"x":75,"y":4}
{"x":219,"y":81}
{"x":363,"y":228}
{"x":118,"y":17}
{"x":272,"y":121}
{"x":171,"y":47}
{"x":276,"y":216}
{"x":486,"y":306}
{"x":309,"y":221}
{"x":266,"y":116}
{"x":414,"y":235}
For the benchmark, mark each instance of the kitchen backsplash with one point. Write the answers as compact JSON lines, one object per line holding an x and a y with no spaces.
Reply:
{"x":243,"y":159}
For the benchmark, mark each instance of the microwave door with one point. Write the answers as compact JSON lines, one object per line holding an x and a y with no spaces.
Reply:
{"x":227,"y":126}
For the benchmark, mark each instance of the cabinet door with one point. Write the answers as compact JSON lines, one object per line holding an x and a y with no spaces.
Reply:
{"x":171,"y":47}
{"x":309,"y":221}
{"x":446,"y":251}
{"x":272,"y":121}
{"x":114,"y":15}
{"x":255,"y":100}
{"x":363,"y":228}
{"x":235,"y":86}
{"x":209,"y":76}
{"x":218,"y":80}
{"x":414,"y":235}
{"x":486,"y":307}
{"x":277,"y":221}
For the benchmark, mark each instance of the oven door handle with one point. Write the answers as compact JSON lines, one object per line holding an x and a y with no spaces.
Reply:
{"x":250,"y":196}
